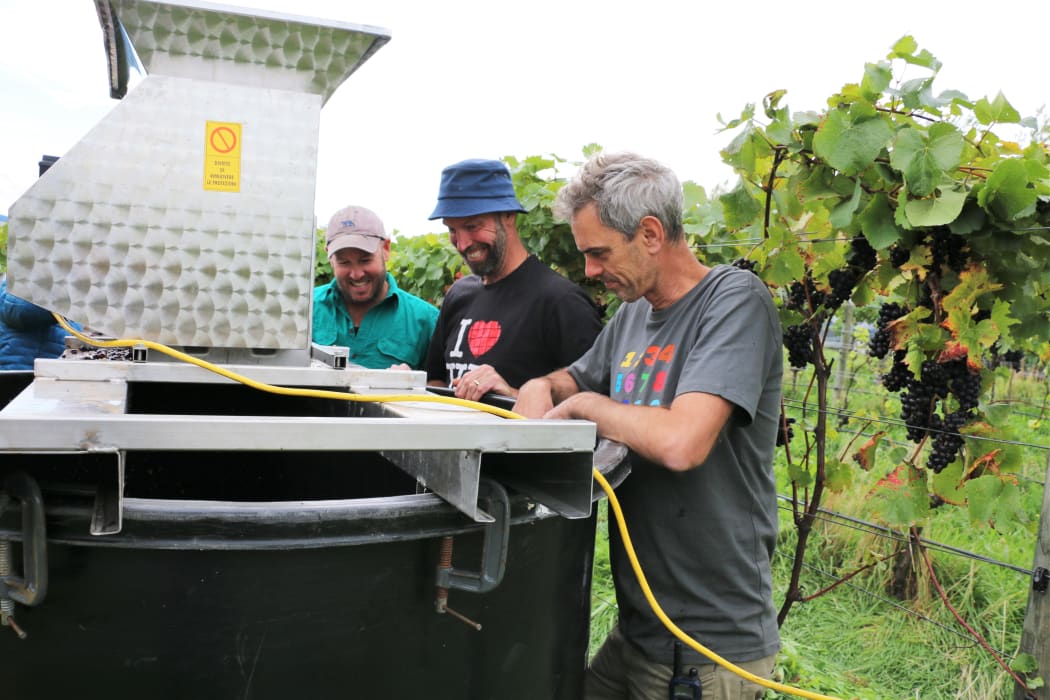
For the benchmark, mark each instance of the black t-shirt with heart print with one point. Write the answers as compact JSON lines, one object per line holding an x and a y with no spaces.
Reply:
{"x":530,"y":323}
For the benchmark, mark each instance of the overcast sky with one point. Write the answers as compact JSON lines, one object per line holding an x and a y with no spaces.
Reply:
{"x":484,"y":79}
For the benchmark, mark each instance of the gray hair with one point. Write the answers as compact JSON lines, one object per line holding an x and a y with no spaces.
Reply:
{"x":626,"y":187}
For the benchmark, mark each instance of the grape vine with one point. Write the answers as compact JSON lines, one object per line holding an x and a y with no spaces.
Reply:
{"x":910,"y":204}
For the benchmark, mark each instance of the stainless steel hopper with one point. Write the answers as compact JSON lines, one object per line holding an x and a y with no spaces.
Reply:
{"x":186,"y":215}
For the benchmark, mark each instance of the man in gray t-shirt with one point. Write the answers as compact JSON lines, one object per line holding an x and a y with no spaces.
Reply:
{"x":687,"y":374}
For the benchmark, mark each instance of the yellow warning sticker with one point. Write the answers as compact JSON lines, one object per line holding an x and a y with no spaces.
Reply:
{"x":222,"y":156}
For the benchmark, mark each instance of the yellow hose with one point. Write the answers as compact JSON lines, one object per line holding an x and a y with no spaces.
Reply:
{"x":284,"y":391}
{"x":614,"y":502}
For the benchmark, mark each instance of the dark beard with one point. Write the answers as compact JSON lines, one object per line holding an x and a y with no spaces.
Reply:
{"x":497,"y":251}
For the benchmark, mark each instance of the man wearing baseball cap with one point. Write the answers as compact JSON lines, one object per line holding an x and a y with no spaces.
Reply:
{"x":362,"y":308}
{"x":513,"y":319}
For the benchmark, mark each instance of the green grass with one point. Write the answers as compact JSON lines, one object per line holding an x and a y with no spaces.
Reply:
{"x":858,"y":641}
{"x":603,"y":596}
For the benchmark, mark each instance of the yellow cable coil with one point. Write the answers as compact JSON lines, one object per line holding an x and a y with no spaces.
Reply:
{"x":432,"y":398}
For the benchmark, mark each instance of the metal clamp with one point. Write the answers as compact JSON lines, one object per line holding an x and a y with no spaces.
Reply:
{"x":1040,"y":579}
{"x":32,"y":588}
{"x":493,"y":547}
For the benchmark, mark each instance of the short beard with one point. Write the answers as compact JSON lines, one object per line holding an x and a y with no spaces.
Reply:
{"x":497,"y":251}
{"x":373,"y":299}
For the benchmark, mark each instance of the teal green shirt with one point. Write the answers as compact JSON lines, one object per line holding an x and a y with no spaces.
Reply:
{"x":396,"y":330}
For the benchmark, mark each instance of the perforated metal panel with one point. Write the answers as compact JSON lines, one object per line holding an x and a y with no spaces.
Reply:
{"x":121,"y":233}
{"x":249,"y":47}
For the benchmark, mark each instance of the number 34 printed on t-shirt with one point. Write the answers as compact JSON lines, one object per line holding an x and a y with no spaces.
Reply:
{"x":644,"y":369}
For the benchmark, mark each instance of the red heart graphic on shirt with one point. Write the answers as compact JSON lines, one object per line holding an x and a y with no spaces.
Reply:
{"x":482,"y":336}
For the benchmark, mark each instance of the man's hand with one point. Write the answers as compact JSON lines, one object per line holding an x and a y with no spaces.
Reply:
{"x":534,"y":398}
{"x":576,"y":406}
{"x":480,"y":381}
{"x":538,"y":396}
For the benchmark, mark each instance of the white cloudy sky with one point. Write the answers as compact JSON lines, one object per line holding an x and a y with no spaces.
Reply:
{"x":485,"y":79}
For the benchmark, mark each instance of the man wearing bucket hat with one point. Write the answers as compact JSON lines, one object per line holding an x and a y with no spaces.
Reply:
{"x":514,"y":318}
{"x":362,"y":308}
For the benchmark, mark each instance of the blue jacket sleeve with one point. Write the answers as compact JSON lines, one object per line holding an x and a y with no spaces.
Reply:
{"x":27,"y":331}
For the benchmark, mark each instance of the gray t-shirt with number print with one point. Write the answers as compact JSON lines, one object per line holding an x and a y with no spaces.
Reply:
{"x":704,"y":537}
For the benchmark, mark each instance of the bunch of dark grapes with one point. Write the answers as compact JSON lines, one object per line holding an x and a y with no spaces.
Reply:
{"x":917,"y":409}
{"x":899,"y":255}
{"x":965,"y":384}
{"x":784,"y":426}
{"x":861,"y":255}
{"x":859,"y":261}
{"x":899,"y":374}
{"x":801,"y":294}
{"x":948,"y":249}
{"x":799,"y":343}
{"x":1013,"y":358}
{"x":948,"y":442}
{"x":935,"y":376}
{"x":796,"y":299}
{"x":919,"y":399}
{"x":745,"y":264}
{"x":842,"y":283}
{"x":879,"y":344}
{"x":935,"y":383}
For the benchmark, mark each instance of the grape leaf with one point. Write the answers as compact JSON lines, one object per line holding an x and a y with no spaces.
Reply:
{"x":973,"y":337}
{"x":1006,"y":192}
{"x":901,"y":498}
{"x":851,"y":146}
{"x":837,"y":476}
{"x":948,"y":484}
{"x":695,"y":195}
{"x":876,"y":221}
{"x":937,"y":210}
{"x":992,"y":500}
{"x":740,"y":153}
{"x":865,"y":456}
{"x":739,"y":206}
{"x":785,"y":266}
{"x":842,"y":214}
{"x":800,"y":476}
{"x":877,"y":77}
{"x":925,"y":158}
{"x":905,"y":48}
{"x":997,"y":111}
{"x":771,"y":104}
{"x":1024,"y":663}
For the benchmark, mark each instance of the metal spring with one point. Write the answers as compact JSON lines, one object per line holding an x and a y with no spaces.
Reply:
{"x":7,"y":606}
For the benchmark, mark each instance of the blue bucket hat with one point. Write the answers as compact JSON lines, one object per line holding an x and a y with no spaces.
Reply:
{"x":473,"y":187}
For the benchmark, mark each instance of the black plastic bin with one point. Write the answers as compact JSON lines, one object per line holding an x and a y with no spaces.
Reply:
{"x":289,"y":575}
{"x":311,"y":622}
